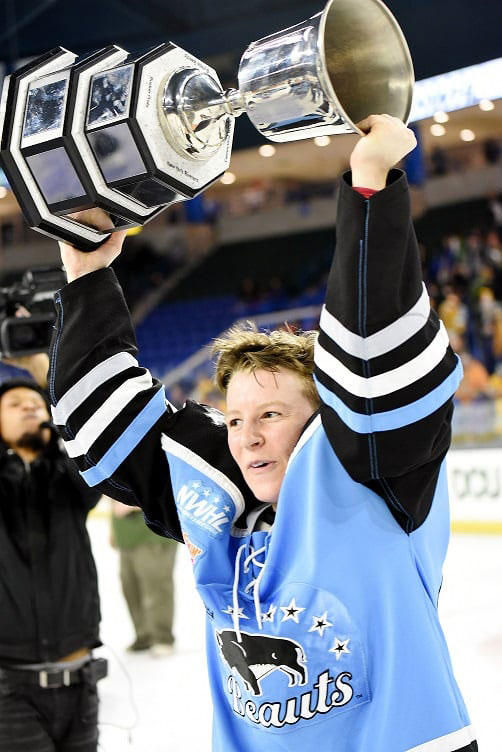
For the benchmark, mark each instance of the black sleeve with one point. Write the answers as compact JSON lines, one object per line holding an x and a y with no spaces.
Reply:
{"x":384,"y":368}
{"x":111,"y":413}
{"x":109,"y":410}
{"x":88,"y":497}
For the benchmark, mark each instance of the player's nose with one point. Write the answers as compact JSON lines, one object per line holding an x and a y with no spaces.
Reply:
{"x":250,"y":435}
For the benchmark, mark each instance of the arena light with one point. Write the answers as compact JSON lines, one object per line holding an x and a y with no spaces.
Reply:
{"x":486,"y":105}
{"x":322,"y":140}
{"x":441,"y":117}
{"x":228,"y":178}
{"x":267,"y":150}
{"x":467,"y":135}
{"x":437,"y":129}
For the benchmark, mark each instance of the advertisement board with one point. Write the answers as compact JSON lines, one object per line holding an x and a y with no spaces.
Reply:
{"x":475,"y":483}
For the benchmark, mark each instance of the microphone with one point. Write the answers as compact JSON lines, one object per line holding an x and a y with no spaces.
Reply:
{"x":47,"y":424}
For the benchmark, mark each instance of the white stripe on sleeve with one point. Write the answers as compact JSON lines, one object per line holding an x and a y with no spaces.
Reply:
{"x":382,"y":341}
{"x":390,"y":381}
{"x":85,"y":386}
{"x":109,"y":410}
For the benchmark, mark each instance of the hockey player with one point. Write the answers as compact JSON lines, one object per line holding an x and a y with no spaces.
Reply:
{"x":316,"y":517}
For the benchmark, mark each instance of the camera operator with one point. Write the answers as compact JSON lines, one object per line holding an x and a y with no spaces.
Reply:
{"x":48,"y":586}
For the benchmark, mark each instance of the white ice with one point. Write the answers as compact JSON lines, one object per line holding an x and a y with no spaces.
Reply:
{"x":167,"y":700}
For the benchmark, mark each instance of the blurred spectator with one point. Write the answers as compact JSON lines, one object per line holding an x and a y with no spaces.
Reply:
{"x":487,"y":307}
{"x":207,"y":394}
{"x":440,"y":265}
{"x":473,"y":253}
{"x":199,"y":231}
{"x":453,"y":314}
{"x":491,"y":149}
{"x":493,"y":251}
{"x":254,"y":197}
{"x":276,"y":293}
{"x":495,"y":206}
{"x":494,"y":388}
{"x":438,"y":162}
{"x":179,"y":393}
{"x":248,"y":291}
{"x":146,"y":573}
{"x":497,"y":336}
{"x":474,"y":385}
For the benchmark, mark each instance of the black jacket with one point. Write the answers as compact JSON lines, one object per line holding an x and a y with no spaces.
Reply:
{"x":49,"y":603}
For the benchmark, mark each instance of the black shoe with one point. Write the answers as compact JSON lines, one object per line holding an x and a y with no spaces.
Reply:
{"x":139,"y":645}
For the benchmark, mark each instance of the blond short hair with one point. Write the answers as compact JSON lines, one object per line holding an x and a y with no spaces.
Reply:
{"x":244,"y":348}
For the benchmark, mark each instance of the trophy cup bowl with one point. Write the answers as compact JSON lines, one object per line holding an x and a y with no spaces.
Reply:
{"x":326,"y":74}
{"x":132,"y":134}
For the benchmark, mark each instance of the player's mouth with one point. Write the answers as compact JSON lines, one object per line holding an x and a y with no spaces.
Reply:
{"x":261,"y":466}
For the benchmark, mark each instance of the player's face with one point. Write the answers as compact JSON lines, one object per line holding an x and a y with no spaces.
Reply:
{"x":22,"y":410}
{"x":266,"y":412}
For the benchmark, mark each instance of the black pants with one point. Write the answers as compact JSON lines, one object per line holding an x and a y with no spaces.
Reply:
{"x":33,"y":719}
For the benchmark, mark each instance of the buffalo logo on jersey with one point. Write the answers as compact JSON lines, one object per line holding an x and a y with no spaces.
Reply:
{"x":209,"y":509}
{"x":254,"y":658}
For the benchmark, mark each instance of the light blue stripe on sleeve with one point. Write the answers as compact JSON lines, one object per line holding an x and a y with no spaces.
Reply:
{"x":124,"y":445}
{"x":401,"y":416}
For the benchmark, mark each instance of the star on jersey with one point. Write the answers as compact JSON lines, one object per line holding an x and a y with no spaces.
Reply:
{"x":206,"y":493}
{"x":291,"y":611}
{"x":240,"y":612}
{"x":225,"y":509}
{"x":269,"y":616}
{"x":340,"y":647}
{"x":320,"y":623}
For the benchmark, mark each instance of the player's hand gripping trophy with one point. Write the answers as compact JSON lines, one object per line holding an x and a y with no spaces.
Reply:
{"x":132,"y":134}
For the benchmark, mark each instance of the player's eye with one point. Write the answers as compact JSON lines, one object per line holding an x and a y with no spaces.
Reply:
{"x":270,"y":414}
{"x":233,"y":422}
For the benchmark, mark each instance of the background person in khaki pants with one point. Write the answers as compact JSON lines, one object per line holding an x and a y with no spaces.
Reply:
{"x":146,"y":573}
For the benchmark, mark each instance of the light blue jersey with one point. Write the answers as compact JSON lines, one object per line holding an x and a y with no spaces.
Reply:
{"x":323,"y":631}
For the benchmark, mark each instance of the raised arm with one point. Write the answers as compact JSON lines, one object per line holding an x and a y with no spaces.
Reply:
{"x":109,"y":410}
{"x":384,"y":369}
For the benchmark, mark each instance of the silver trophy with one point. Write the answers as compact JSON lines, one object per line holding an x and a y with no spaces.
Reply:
{"x":132,"y":134}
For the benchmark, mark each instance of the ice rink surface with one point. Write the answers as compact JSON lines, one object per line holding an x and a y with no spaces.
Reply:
{"x":167,"y":700}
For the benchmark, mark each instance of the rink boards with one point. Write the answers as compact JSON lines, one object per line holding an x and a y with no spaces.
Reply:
{"x":475,"y":483}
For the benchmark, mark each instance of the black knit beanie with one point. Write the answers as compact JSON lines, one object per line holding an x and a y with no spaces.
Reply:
{"x":9,"y":384}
